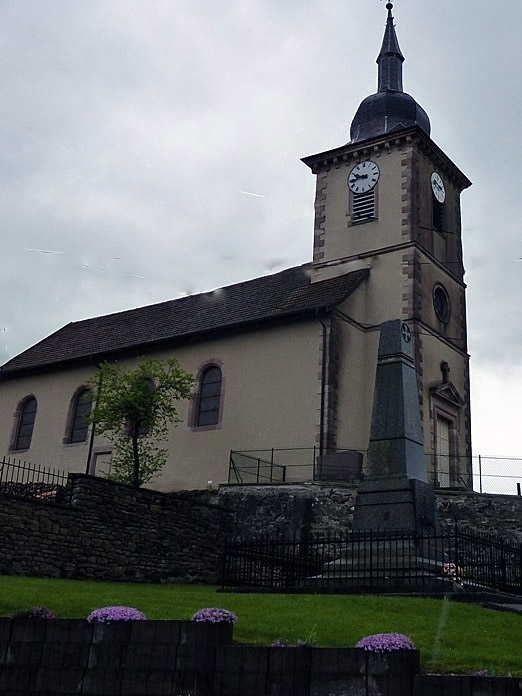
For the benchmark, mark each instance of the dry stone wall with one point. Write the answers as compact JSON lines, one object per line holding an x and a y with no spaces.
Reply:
{"x":109,"y":531}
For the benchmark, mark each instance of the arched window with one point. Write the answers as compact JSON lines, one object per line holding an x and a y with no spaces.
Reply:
{"x":25,"y":424}
{"x":82,"y":404}
{"x":209,"y":396}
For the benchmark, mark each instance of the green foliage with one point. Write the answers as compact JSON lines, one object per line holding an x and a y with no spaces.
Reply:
{"x":133,"y":409}
{"x":451,"y":637}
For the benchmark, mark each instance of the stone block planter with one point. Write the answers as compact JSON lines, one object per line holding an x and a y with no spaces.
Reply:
{"x":67,"y":657}
{"x":73,"y":656}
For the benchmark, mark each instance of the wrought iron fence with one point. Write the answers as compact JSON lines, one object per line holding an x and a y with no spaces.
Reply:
{"x":24,"y":480}
{"x":482,"y":474}
{"x":391,"y":560}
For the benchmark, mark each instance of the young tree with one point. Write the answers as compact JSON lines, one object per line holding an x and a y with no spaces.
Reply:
{"x":133,"y":409}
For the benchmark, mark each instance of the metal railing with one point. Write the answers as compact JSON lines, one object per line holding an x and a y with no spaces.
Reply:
{"x":482,"y":474}
{"x":391,"y":560}
{"x":288,"y":465}
{"x":245,"y":468}
{"x":24,"y":480}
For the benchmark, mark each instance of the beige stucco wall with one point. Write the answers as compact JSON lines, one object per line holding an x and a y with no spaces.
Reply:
{"x":271,"y":398}
{"x":345,"y":240}
{"x":358,"y":357}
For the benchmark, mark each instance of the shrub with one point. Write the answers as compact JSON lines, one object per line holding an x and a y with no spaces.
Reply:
{"x":386,"y":642}
{"x":110,"y":614}
{"x":34,"y":613}
{"x":214,"y":615}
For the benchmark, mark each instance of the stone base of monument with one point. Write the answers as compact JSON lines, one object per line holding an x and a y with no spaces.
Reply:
{"x":395,"y":502}
{"x":394,"y":544}
{"x":387,"y":563}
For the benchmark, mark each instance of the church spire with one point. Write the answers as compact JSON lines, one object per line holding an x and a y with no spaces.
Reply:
{"x":390,"y":58}
{"x":390,"y":109}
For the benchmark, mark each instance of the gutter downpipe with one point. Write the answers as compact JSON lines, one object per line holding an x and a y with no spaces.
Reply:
{"x":323,"y":429}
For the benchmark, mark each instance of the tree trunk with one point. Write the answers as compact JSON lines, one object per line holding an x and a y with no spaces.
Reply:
{"x":136,"y":458}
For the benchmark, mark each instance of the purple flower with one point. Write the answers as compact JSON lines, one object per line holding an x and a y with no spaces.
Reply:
{"x":481,"y":673}
{"x":214,"y":615}
{"x":110,"y":614}
{"x":35,"y":613}
{"x":386,"y":642}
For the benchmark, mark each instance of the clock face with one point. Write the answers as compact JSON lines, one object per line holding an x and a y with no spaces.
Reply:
{"x":437,"y":187}
{"x":363,"y":177}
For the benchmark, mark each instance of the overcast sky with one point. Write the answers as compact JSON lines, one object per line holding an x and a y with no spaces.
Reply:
{"x":133,"y":131}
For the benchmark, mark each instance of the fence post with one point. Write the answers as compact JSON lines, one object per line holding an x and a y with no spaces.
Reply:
{"x":503,"y":567}
{"x":480,"y":473}
{"x":457,"y":555}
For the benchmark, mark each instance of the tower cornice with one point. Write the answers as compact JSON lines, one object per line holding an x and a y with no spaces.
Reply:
{"x":415,"y":136}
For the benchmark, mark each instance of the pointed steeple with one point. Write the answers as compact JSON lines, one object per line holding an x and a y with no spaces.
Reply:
{"x":390,"y":109}
{"x":390,"y":59}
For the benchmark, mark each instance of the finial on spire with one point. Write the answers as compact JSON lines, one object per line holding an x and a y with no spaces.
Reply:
{"x":390,"y":58}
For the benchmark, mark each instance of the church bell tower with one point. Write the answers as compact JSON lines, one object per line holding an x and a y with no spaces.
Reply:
{"x":389,"y":201}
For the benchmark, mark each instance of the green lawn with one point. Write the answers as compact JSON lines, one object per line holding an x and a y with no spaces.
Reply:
{"x":452,"y":637}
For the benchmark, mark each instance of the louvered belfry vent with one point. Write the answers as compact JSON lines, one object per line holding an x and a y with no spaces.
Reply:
{"x":363,"y":206}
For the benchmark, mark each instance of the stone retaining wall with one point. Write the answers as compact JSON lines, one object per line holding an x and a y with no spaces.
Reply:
{"x":112,"y":532}
{"x":293,"y":509}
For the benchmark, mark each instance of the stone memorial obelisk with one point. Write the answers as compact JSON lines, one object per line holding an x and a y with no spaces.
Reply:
{"x":395,"y":493}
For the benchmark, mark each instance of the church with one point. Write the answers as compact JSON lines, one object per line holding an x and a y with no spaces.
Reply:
{"x":286,"y":362}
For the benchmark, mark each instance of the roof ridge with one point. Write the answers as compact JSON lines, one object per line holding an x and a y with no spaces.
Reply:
{"x":183,"y":297}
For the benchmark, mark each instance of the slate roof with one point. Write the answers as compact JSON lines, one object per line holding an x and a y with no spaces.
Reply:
{"x":272,"y":297}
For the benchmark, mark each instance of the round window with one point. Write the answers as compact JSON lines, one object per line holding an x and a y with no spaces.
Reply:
{"x":441,"y":304}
